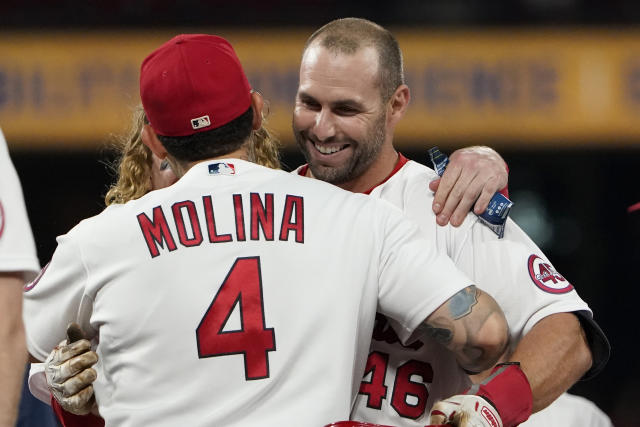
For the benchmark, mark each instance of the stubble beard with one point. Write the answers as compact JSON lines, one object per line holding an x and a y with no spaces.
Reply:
{"x":363,"y":155}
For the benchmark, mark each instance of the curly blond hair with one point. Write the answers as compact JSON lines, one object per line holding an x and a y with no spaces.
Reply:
{"x":133,"y":165}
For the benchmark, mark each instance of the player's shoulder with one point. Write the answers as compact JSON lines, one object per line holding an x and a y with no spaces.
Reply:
{"x":88,"y":227}
{"x":412,"y":176}
{"x":416,"y":168}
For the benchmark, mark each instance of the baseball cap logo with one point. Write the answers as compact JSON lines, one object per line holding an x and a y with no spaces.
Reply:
{"x":200,"y":122}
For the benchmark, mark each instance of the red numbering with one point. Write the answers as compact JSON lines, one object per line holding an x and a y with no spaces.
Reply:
{"x":403,"y":387}
{"x":375,"y":389}
{"x":243,"y":287}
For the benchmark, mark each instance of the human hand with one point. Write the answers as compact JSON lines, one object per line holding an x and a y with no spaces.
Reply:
{"x":465,"y":410}
{"x":69,"y":373}
{"x":474,"y":174}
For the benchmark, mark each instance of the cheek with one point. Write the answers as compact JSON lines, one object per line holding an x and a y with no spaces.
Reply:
{"x":302,"y":119}
{"x":353,"y":128}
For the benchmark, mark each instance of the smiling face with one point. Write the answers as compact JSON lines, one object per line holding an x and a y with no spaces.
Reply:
{"x":339,"y":119}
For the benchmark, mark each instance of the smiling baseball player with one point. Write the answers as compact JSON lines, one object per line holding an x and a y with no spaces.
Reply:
{"x":350,"y":98}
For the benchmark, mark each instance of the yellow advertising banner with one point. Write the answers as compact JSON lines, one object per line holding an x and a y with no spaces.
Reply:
{"x":571,"y":88}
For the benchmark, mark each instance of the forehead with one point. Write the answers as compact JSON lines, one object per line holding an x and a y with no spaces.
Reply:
{"x":328,"y":74}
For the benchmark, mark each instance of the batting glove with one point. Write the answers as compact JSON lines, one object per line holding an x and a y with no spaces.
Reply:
{"x":502,"y":399}
{"x":69,"y":373}
{"x":465,"y":410}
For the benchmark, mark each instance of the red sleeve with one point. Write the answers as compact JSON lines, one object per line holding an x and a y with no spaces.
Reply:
{"x":68,"y":419}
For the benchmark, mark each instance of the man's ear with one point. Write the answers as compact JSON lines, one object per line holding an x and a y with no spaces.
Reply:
{"x":257,"y":103}
{"x":398,"y":104}
{"x":150,"y":139}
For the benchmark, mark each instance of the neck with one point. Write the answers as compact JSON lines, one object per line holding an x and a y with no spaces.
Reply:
{"x":375,"y":173}
{"x":180,"y":168}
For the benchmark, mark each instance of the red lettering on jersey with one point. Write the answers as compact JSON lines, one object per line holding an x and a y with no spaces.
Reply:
{"x":291,"y":204}
{"x":181,"y":226}
{"x":546,"y":277}
{"x":214,"y":237}
{"x":156,"y":232}
{"x":237,"y":205}
{"x":375,"y":389}
{"x":404,"y":387}
{"x":262,"y":215}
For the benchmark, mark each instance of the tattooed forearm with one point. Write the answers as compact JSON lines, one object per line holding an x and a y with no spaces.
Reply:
{"x":462,"y":303}
{"x":472,"y":326}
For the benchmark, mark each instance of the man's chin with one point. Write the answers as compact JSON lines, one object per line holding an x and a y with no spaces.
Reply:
{"x":331,"y":175}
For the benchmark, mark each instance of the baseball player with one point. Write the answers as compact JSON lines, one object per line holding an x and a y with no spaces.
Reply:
{"x":547,"y":317}
{"x":239,"y":279}
{"x":138,"y":172}
{"x":18,"y":264}
{"x":351,"y":97}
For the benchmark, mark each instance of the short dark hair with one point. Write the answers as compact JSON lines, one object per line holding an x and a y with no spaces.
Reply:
{"x":211,"y":143}
{"x":348,"y":35}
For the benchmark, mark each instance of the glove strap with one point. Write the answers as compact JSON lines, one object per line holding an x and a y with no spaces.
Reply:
{"x":508,"y":390}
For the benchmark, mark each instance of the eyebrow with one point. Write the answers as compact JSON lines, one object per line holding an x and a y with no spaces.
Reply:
{"x":304,"y":96}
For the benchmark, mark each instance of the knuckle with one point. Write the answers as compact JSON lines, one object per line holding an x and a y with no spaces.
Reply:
{"x":457,"y":192}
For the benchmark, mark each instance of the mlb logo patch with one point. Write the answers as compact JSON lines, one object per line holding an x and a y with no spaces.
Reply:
{"x":200,"y":122}
{"x":222,"y":169}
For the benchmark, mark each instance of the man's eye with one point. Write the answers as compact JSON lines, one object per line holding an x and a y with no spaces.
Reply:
{"x":346,"y":110}
{"x":311,"y":104}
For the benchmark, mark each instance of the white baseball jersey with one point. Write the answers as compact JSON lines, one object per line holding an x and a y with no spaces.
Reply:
{"x":569,"y":410}
{"x":238,"y":296}
{"x":401,"y":383}
{"x":17,"y":249}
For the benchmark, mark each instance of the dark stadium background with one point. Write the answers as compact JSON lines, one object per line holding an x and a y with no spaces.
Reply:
{"x":581,"y":194}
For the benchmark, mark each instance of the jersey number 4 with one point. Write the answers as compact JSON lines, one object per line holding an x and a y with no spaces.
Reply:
{"x":243,"y":288}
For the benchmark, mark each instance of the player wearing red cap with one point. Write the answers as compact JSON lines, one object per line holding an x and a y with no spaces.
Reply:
{"x":237,"y":284}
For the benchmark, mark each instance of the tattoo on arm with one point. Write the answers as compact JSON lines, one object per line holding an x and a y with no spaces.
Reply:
{"x":440,"y":333}
{"x":462,"y":303}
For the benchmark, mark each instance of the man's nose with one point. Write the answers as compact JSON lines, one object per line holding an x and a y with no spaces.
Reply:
{"x":324,"y":127}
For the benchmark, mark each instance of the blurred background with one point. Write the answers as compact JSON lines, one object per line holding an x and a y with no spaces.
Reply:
{"x":553,"y":85}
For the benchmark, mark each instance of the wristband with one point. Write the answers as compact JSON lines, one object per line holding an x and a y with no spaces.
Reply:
{"x":508,"y":390}
{"x":497,"y":212}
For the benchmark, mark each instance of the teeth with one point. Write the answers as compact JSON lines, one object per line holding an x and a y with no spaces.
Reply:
{"x":327,"y":150}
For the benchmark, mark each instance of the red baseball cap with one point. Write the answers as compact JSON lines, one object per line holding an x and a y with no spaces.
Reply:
{"x":193,"y":83}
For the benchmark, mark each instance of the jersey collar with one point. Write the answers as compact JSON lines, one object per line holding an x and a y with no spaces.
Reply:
{"x":402,"y":160}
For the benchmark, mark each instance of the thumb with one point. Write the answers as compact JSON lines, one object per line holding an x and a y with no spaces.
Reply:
{"x":74,"y":333}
